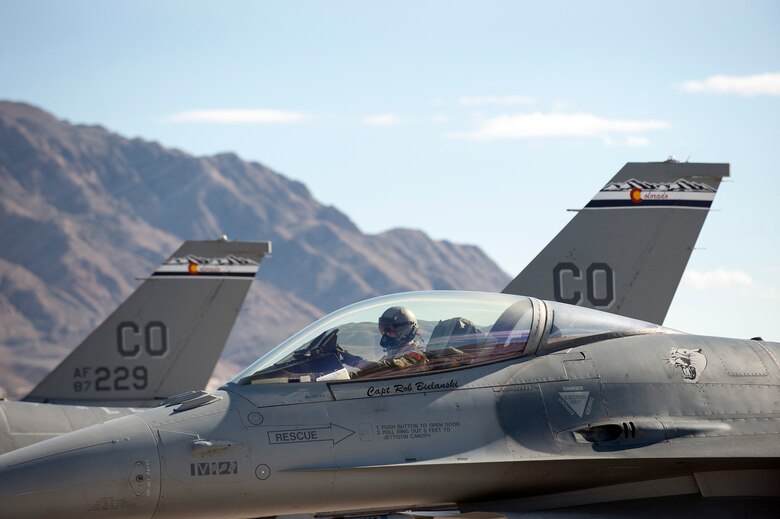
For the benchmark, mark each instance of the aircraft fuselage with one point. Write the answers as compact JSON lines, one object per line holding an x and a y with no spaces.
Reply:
{"x":626,"y":409}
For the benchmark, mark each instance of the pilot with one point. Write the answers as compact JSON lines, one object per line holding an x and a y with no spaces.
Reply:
{"x":400,"y":341}
{"x":400,"y":338}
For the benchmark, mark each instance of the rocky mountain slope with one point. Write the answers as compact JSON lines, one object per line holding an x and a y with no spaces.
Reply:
{"x":84,"y":211}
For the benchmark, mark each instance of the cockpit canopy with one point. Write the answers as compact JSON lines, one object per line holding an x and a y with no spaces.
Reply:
{"x":454,"y":329}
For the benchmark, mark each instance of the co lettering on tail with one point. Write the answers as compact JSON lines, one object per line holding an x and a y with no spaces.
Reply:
{"x":131,"y":340}
{"x":598,"y":284}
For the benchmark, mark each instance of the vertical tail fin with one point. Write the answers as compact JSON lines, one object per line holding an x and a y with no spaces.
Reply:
{"x":167,"y":336}
{"x":625,"y":252}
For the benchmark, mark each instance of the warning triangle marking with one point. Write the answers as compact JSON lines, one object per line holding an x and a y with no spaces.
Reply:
{"x":576,"y":400}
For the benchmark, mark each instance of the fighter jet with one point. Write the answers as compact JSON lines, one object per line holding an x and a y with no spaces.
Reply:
{"x":164,"y":339}
{"x":461,"y":400}
{"x":654,"y":201}
{"x":458,"y":400}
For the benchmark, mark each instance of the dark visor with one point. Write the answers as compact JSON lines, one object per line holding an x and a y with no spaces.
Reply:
{"x":391,"y":327}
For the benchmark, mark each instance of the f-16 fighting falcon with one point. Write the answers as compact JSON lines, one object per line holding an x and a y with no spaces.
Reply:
{"x":514,"y":404}
{"x":519,"y":404}
{"x":660,"y":208}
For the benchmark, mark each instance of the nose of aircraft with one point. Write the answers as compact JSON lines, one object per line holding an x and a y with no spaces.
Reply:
{"x":107,"y":470}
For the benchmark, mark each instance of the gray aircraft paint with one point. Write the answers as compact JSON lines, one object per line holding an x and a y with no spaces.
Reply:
{"x":625,"y":252}
{"x":568,"y":424}
{"x":166,"y":337}
{"x":607,"y":420}
{"x":195,"y":295}
{"x":21,"y":432}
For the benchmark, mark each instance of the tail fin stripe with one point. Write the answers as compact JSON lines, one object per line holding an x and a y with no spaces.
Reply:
{"x":204,"y":276}
{"x":691,"y":204}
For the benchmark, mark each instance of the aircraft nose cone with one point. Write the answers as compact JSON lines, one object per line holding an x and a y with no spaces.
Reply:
{"x":107,"y":470}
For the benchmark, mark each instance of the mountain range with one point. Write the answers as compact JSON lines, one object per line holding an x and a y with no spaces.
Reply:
{"x":84,"y":212}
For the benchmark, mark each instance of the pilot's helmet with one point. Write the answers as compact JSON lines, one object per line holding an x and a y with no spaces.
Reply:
{"x":398,"y":325}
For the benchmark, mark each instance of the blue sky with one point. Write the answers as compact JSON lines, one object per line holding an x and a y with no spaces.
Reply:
{"x":477,"y":122}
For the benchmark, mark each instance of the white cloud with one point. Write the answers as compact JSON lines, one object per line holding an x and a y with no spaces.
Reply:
{"x":636,"y":141}
{"x":440,"y":119}
{"x":755,"y":85}
{"x":536,"y":125}
{"x":248,"y":116}
{"x":718,"y":278}
{"x":724,"y":279}
{"x":382,"y":120}
{"x":632,"y":141}
{"x":496,"y":100}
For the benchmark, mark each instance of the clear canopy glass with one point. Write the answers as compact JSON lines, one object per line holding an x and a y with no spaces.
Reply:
{"x":576,"y":322}
{"x":454,"y":329}
{"x":450,"y":330}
